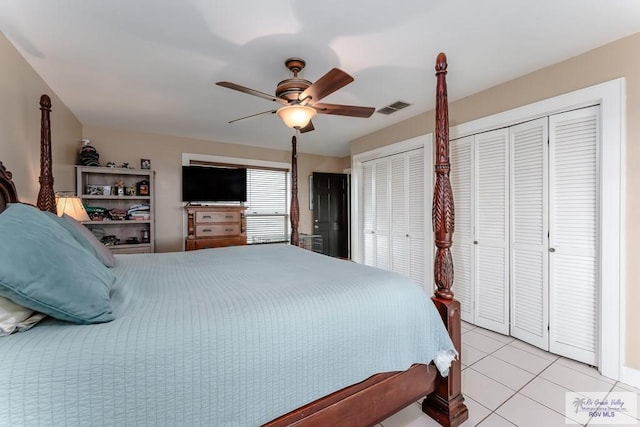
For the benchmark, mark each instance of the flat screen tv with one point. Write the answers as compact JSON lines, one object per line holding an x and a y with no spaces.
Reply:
{"x":209,"y":184}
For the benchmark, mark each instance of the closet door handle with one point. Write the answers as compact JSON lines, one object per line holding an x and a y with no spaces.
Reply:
{"x":552,"y":250}
{"x":475,"y":242}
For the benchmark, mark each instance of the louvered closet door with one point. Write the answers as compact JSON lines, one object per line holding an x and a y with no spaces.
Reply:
{"x":399,"y":242}
{"x":529,"y":228}
{"x":573,"y":264}
{"x":416,"y":216}
{"x":381,"y":208}
{"x":368,"y":212}
{"x":492,"y":230}
{"x":462,"y":250}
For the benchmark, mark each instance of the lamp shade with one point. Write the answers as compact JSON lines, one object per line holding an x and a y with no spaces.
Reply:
{"x":296,"y":116}
{"x":72,"y":206}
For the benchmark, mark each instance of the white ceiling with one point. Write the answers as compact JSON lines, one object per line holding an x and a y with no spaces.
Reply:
{"x":150,"y":65}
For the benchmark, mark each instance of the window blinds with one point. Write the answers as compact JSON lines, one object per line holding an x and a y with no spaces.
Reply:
{"x":267,"y":205}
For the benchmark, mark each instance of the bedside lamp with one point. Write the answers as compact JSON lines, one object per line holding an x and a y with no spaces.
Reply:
{"x":71,"y":205}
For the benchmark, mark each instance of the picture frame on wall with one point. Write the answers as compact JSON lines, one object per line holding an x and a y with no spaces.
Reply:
{"x":145,"y":164}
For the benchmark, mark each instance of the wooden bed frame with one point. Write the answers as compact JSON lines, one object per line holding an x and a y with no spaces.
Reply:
{"x":382,"y":395}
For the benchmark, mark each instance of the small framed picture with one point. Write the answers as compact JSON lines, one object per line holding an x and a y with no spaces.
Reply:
{"x":145,"y":164}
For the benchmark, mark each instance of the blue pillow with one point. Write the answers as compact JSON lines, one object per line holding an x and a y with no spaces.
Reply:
{"x":42,"y":267}
{"x":85,"y":237}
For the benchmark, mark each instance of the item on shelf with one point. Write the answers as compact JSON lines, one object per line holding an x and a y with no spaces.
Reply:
{"x":117,"y":214}
{"x":110,"y":240}
{"x":145,"y":236}
{"x":140,"y":211}
{"x":145,"y":164}
{"x":130,"y":191}
{"x":118,"y":187}
{"x":96,"y":213}
{"x":142,"y":188}
{"x":88,"y":154}
{"x":132,"y":241}
{"x":111,"y":164}
{"x":106,"y":190}
{"x":94,"y":190}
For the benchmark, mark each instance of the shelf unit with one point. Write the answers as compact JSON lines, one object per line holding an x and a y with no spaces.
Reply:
{"x":98,"y":177}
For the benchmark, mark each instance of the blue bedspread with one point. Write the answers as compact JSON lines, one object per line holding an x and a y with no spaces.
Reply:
{"x":222,"y":337}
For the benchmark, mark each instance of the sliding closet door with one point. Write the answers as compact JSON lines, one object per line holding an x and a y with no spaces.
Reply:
{"x":529,"y":230}
{"x":573,"y":265}
{"x":492,"y":230}
{"x":462,"y":250}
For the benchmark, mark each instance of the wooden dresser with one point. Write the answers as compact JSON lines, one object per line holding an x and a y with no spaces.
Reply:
{"x":215,"y":226}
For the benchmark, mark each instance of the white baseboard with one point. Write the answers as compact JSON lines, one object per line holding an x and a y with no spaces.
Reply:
{"x":631,"y":376}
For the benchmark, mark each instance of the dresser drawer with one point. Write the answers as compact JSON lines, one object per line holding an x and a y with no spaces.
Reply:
{"x":212,"y":230}
{"x":202,"y":217}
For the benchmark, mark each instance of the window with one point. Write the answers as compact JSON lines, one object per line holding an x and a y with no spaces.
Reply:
{"x":267,"y":205}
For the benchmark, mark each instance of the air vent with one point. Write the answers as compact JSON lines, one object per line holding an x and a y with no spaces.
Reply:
{"x":392,"y":108}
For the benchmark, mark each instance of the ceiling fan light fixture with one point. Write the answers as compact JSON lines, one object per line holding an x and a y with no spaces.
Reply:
{"x":296,"y":116}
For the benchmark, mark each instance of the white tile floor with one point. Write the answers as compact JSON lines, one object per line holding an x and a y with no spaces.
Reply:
{"x":507,"y":382}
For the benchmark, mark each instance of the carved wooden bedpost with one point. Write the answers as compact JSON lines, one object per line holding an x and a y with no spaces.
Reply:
{"x":445,"y":404}
{"x":294,"y":214}
{"x":46,"y":196}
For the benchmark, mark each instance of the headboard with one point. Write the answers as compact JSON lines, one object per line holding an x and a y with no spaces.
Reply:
{"x":8,"y":193}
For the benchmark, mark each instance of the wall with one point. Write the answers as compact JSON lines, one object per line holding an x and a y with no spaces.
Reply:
{"x":617,"y":59}
{"x":21,"y":88}
{"x":165,"y":153}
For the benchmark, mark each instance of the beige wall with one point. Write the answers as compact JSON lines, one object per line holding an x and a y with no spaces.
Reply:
{"x":20,"y":90}
{"x":165,"y":153}
{"x":618,"y":59}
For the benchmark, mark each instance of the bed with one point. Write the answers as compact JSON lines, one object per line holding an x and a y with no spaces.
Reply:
{"x":199,"y":338}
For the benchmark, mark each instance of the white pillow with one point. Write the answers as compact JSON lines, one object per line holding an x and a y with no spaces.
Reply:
{"x":15,"y":318}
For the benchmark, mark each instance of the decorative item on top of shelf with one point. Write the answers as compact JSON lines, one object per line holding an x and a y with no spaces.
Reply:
{"x":145,"y":164}
{"x":125,"y":165}
{"x":111,"y":164}
{"x":88,"y":155}
{"x":142,"y":188}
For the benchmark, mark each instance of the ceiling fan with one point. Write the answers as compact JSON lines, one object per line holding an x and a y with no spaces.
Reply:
{"x":300,"y":98}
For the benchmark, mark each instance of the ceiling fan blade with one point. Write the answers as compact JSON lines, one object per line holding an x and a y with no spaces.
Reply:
{"x":253,"y":115}
{"x":325,"y":85}
{"x":344,"y":110}
{"x":308,"y":128}
{"x":253,"y":92}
